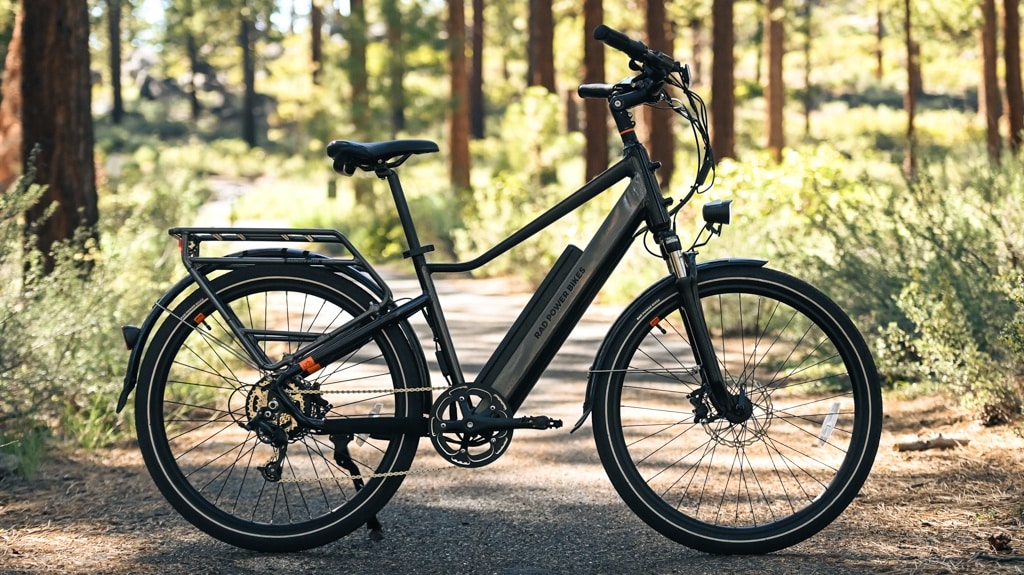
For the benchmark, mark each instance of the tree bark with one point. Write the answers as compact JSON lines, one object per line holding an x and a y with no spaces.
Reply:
{"x":10,"y":111}
{"x":193,"y":61}
{"x":808,"y":98}
{"x":879,"y":37}
{"x":396,"y":65}
{"x":989,"y":101}
{"x":458,"y":117}
{"x":358,"y":77}
{"x":476,"y":84}
{"x":114,"y":29}
{"x":775,"y":95}
{"x":660,"y":137}
{"x":55,"y":44}
{"x":316,"y":28}
{"x":910,"y":98}
{"x":1011,"y":58}
{"x":541,"y":48}
{"x":723,"y":83}
{"x":595,"y":111}
{"x":697,"y":58}
{"x":245,"y":41}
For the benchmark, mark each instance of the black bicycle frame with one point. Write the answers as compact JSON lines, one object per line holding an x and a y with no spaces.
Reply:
{"x":562,"y":298}
{"x":554,"y":310}
{"x":543,"y":325}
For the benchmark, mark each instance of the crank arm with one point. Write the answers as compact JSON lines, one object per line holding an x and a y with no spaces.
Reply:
{"x":476,"y":424}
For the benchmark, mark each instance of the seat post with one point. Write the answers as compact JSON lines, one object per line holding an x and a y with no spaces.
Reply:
{"x":416,"y":250}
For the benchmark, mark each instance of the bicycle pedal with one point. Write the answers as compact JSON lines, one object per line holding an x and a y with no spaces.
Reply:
{"x":537,"y":422}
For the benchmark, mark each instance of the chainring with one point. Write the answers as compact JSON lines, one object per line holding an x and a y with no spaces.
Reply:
{"x":468,"y":448}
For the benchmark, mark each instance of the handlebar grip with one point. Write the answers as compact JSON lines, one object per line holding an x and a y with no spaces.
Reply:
{"x":635,"y":49}
{"x":595,"y":90}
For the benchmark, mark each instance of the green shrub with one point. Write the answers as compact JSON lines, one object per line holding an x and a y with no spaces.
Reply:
{"x":920,"y":264}
{"x":62,"y":360}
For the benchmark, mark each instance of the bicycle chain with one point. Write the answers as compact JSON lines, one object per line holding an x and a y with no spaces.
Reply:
{"x":354,"y":391}
{"x":372,"y":475}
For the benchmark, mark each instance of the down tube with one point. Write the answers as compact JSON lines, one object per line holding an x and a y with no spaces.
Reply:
{"x":546,"y":334}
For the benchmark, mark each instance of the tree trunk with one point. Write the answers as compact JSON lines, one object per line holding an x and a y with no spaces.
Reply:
{"x":358,"y":77}
{"x":660,"y":138}
{"x":114,"y":29}
{"x":697,"y":57}
{"x":357,"y":67}
{"x":316,"y":29}
{"x":193,"y":62}
{"x":458,"y":117}
{"x":10,"y":111}
{"x":595,"y":111}
{"x":56,"y":36}
{"x":723,"y":96}
{"x":913,"y":84}
{"x":808,"y":99}
{"x":989,"y":100}
{"x":541,"y":45}
{"x":775,"y":95}
{"x":245,"y":41}
{"x":396,"y":65}
{"x":879,"y":37}
{"x":1011,"y":51}
{"x":476,"y":84}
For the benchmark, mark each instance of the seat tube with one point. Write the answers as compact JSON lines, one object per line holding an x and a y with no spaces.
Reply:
{"x":447,"y":359}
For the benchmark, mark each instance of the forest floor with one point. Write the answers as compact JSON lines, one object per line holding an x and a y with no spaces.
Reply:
{"x":546,"y":506}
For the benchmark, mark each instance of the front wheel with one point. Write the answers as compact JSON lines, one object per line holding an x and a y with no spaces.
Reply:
{"x":757,"y":485}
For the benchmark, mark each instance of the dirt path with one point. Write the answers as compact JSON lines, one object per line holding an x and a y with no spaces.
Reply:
{"x":546,"y":507}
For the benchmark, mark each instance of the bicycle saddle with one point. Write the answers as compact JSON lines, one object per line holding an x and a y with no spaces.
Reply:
{"x":370,"y":156}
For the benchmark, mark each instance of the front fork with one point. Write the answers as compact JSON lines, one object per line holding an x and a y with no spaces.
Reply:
{"x":734,"y":407}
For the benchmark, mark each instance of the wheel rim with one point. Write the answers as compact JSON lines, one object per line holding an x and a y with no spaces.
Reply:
{"x":212,"y":390}
{"x":756,"y":478}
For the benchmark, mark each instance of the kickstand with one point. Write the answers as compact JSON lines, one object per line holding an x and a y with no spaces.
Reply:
{"x":344,"y":460}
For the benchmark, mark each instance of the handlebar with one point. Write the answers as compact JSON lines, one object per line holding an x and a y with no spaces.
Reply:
{"x":635,"y":49}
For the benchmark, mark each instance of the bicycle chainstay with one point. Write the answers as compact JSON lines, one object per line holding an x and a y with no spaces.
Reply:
{"x":362,"y":477}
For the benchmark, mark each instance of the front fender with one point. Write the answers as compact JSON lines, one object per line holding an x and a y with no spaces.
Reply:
{"x":137,"y":337}
{"x":640,"y":302}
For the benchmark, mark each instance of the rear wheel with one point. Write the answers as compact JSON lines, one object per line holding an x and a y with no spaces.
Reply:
{"x":757,"y":485}
{"x":200,"y":394}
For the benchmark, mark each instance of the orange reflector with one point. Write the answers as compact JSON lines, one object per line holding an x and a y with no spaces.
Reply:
{"x":199,"y":318}
{"x":655,"y":321}
{"x":309,"y":365}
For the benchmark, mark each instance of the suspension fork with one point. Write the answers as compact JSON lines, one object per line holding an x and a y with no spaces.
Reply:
{"x":684,"y":266}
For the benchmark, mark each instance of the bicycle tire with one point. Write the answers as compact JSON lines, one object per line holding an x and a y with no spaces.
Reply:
{"x":757,"y":486}
{"x":197,"y":388}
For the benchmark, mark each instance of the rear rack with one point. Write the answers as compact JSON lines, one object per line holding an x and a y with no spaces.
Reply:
{"x":191,"y":239}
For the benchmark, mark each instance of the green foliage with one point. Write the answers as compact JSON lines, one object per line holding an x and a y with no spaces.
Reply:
{"x":921,"y":264}
{"x":524,"y":182}
{"x":61,"y":355}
